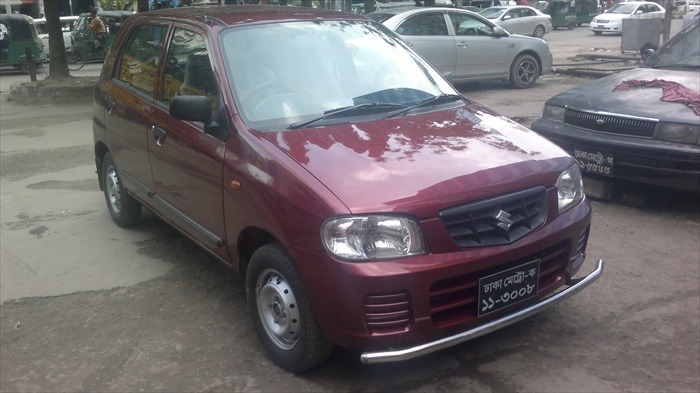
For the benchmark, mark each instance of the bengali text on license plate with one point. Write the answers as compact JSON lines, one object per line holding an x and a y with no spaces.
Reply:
{"x":600,"y":163}
{"x":508,"y":287}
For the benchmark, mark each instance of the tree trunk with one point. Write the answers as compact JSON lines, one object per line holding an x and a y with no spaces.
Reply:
{"x":58,"y":66}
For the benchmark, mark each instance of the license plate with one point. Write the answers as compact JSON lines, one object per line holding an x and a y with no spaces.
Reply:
{"x":600,"y":163}
{"x":508,"y":287}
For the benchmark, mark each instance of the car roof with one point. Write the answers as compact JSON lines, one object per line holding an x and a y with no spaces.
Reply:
{"x":418,"y":10}
{"x":234,"y":15}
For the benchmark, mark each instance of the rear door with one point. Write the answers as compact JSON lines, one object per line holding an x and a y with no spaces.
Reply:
{"x":129,"y":98}
{"x":187,"y":163}
{"x":427,"y":33}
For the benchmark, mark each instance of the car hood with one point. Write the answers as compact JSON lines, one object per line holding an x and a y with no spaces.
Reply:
{"x":635,"y":101}
{"x":423,"y":163}
{"x":612,"y":16}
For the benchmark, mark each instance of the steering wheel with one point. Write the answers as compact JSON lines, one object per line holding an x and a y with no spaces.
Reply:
{"x":470,"y":31}
{"x":256,"y":94}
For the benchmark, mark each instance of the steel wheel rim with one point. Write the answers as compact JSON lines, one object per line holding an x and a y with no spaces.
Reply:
{"x":277,"y":308}
{"x":527,"y":72}
{"x":113,"y":190}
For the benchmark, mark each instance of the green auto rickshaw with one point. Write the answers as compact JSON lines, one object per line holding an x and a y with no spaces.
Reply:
{"x":563,"y":12}
{"x":18,"y":32}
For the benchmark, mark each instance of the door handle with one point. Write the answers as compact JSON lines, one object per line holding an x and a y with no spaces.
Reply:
{"x":462,"y":44}
{"x":111,"y":104}
{"x":158,"y":135}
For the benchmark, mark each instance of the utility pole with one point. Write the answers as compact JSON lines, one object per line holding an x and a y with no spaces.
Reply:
{"x":666,"y":32}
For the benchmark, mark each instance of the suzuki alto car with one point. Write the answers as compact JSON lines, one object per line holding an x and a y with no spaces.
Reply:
{"x":364,"y":202}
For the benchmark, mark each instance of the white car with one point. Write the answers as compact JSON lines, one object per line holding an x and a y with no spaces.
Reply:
{"x":611,"y":20}
{"x":67,"y":25}
{"x":520,"y":19}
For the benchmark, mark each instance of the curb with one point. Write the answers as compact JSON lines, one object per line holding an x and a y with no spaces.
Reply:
{"x":53,"y":91}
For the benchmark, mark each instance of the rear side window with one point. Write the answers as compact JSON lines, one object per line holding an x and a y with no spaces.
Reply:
{"x":140,"y":58}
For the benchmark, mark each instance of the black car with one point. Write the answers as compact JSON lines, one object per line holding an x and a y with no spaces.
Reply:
{"x":640,"y":125}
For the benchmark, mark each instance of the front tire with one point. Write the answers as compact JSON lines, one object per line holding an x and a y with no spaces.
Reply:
{"x":124,"y":209}
{"x":281,"y":311}
{"x":598,"y":32}
{"x":524,"y":72}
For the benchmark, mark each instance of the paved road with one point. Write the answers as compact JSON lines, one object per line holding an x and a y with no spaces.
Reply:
{"x":88,"y":306}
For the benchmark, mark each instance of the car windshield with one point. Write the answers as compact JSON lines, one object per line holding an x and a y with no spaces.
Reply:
{"x":493,"y":12}
{"x":283,"y":75}
{"x":682,"y":51}
{"x":622,"y":8}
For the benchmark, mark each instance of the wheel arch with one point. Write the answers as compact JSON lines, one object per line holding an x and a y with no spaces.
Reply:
{"x":249,"y":240}
{"x":100,"y":151}
{"x":533,"y":54}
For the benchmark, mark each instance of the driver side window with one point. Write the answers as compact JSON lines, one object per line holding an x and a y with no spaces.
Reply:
{"x":188,"y":69}
{"x":465,"y":25}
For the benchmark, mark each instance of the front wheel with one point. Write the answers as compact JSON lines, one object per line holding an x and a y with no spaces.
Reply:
{"x":571,"y":25}
{"x":124,"y":209}
{"x":524,"y":71}
{"x":281,"y":311}
{"x":76,"y":58}
{"x":597,"y":32}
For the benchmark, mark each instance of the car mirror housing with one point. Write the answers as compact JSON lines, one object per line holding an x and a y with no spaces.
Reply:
{"x":499,"y":31}
{"x":191,"y":108}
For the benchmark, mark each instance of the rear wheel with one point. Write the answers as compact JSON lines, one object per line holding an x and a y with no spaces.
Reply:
{"x":539,"y":32}
{"x":124,"y":209}
{"x":281,"y":311}
{"x":524,"y":71}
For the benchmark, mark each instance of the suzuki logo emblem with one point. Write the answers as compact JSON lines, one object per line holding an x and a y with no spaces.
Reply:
{"x":503,"y":220}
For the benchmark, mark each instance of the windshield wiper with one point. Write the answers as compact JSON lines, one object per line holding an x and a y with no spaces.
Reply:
{"x":353,"y":110}
{"x":435,"y":100}
{"x":681,"y":65}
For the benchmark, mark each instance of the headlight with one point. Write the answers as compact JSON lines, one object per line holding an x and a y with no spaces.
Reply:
{"x":569,"y":188}
{"x":555,"y":113}
{"x":674,"y":132}
{"x":365,"y":238}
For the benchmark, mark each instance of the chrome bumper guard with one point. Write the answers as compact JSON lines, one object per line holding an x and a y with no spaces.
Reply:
{"x":576,"y":285}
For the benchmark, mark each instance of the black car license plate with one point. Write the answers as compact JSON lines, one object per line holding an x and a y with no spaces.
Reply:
{"x":508,"y":287}
{"x":600,"y":163}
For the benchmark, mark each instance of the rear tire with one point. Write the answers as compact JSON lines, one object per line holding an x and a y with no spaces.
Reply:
{"x":524,"y":71}
{"x":124,"y":209}
{"x":539,"y":32}
{"x":281,"y":311}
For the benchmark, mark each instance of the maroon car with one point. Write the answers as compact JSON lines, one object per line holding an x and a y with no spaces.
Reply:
{"x":364,"y":201}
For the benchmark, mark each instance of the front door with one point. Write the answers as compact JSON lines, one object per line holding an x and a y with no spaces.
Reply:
{"x":187,"y":163}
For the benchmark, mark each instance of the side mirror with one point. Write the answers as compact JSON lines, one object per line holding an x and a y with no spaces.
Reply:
{"x":191,"y":108}
{"x":498,"y":31}
{"x":506,"y":17}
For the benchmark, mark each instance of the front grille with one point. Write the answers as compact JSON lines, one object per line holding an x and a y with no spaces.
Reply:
{"x":611,"y":124}
{"x":496,"y":221}
{"x":454,"y":300}
{"x":387,"y":311}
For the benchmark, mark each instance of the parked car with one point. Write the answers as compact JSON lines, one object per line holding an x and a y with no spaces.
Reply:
{"x":640,"y":125}
{"x":67,"y":25}
{"x":363,"y":200}
{"x":611,"y":20}
{"x":520,"y":19}
{"x":469,"y":47}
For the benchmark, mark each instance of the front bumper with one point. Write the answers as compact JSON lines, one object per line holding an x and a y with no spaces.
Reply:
{"x":639,"y":160}
{"x":576,"y":285}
